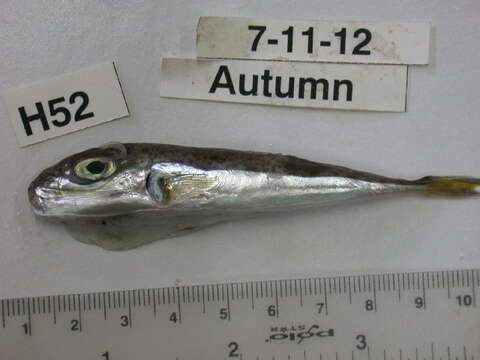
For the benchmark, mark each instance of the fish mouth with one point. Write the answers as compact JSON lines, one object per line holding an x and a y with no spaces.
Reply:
{"x":49,"y":202}
{"x":43,"y":197}
{"x":39,"y":199}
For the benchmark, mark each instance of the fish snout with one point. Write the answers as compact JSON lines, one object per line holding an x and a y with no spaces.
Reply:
{"x":41,"y":191}
{"x":36,"y":200}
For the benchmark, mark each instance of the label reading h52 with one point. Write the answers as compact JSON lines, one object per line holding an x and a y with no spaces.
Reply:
{"x":66,"y":103}
{"x":318,"y":41}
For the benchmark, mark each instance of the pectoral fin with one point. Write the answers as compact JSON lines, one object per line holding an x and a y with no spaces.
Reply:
{"x":167,"y":188}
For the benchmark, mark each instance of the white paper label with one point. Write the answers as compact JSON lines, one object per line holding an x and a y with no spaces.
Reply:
{"x":313,"y":85}
{"x":317,"y":41}
{"x":66,"y":103}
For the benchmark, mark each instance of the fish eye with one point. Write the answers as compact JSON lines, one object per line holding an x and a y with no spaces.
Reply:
{"x":95,"y":169}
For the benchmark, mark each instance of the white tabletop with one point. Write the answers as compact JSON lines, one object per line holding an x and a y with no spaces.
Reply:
{"x":438,"y":135}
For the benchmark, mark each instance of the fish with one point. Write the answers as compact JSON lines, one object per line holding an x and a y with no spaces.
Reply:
{"x":123,"y":195}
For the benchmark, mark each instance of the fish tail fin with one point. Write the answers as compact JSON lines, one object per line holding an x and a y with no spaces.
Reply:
{"x":450,"y":185}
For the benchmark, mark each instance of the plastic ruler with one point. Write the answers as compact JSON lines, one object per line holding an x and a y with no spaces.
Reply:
{"x":401,"y":316}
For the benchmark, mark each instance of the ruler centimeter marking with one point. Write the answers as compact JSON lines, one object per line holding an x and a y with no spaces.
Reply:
{"x":309,"y":318}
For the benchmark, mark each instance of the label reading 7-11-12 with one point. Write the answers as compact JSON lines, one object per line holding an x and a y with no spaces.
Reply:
{"x":317,"y":41}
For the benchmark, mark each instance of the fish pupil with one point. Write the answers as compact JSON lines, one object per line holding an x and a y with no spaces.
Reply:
{"x":96,"y":167}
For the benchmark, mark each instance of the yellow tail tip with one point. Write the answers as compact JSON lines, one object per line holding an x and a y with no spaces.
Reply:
{"x":451,"y":185}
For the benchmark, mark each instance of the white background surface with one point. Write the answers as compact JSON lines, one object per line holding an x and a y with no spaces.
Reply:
{"x":438,"y":135}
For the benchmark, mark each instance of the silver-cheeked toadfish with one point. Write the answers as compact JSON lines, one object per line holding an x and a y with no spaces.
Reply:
{"x":120,"y":196}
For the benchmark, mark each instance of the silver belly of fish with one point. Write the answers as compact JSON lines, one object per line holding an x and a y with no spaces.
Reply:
{"x":121,"y":196}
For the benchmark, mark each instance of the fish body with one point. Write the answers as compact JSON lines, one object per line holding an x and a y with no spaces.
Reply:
{"x":120,"y":196}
